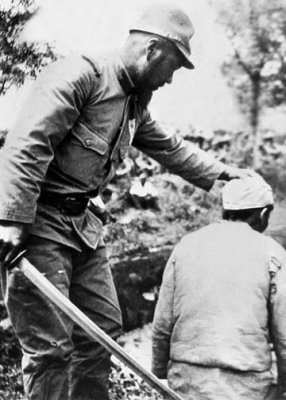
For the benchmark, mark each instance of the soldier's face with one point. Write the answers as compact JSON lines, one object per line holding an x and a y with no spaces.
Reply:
{"x":161,"y":63}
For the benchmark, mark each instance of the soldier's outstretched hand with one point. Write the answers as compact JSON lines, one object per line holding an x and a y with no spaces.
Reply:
{"x":237,"y":173}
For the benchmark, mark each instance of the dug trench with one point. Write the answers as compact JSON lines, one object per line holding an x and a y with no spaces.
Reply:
{"x":137,"y":280}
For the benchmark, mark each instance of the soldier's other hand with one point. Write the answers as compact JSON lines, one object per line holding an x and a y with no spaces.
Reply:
{"x":237,"y":173}
{"x":12,"y":236}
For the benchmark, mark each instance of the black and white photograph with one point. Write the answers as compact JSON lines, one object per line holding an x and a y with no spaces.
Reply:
{"x":142,"y":200}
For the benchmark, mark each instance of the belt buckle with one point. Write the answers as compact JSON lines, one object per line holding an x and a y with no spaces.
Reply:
{"x":70,"y":205}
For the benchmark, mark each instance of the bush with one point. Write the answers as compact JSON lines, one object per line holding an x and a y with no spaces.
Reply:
{"x":124,"y":385}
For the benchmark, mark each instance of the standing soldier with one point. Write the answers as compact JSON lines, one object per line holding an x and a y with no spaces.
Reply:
{"x":73,"y":132}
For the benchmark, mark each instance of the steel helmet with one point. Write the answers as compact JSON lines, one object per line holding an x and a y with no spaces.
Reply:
{"x":170,"y":22}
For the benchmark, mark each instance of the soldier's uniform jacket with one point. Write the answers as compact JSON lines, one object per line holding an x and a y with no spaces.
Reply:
{"x":71,"y":136}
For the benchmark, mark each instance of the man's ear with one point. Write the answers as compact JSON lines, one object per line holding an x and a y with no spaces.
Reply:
{"x":264,"y":216}
{"x":263,"y":212}
{"x":152,"y":47}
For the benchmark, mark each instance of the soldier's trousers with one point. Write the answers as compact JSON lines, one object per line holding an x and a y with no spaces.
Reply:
{"x":59,"y":361}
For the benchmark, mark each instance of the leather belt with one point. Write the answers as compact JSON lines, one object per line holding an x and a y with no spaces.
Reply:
{"x":70,"y":204}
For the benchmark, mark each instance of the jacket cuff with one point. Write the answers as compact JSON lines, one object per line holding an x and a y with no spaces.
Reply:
{"x":16,"y":216}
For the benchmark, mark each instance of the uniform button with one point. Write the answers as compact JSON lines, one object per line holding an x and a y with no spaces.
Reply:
{"x":88,"y":142}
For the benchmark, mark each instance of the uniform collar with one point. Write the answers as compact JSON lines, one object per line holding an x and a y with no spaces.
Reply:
{"x":238,"y":224}
{"x":124,"y":78}
{"x":128,"y":86}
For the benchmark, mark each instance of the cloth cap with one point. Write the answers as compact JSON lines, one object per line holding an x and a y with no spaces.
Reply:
{"x":246,"y":193}
{"x":170,"y":22}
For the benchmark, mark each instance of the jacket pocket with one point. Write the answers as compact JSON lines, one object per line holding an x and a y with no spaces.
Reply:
{"x":82,"y":156}
{"x":90,"y":140}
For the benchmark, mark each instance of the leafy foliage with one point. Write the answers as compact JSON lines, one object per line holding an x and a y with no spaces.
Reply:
{"x":257,"y":34}
{"x":18,"y":60}
{"x":11,"y":387}
{"x":124,"y":385}
{"x":256,"y":68}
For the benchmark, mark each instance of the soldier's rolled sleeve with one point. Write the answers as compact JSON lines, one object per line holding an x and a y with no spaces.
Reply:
{"x":47,"y":115}
{"x":163,"y":323}
{"x":178,"y":155}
